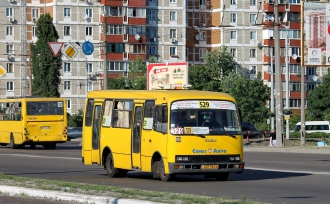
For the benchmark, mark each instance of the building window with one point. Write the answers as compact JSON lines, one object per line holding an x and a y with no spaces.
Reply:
{"x":136,"y":12}
{"x":233,"y":52}
{"x":152,"y":15}
{"x":253,"y":53}
{"x":152,"y":50}
{"x":295,"y":103}
{"x":9,"y":12}
{"x":10,"y":49}
{"x":67,"y":67}
{"x":9,"y":30}
{"x":89,"y":67}
{"x":253,"y":70}
{"x":152,"y":33}
{"x":115,"y":48}
{"x":253,"y":2}
{"x":114,"y":11}
{"x":173,"y":51}
{"x":202,"y":19}
{"x":90,"y":86}
{"x":311,"y":71}
{"x":172,"y":15}
{"x":253,"y":35}
{"x":67,"y":12}
{"x":233,"y":35}
{"x":67,"y":30}
{"x":202,"y":35}
{"x":67,"y":85}
{"x":10,"y":67}
{"x":292,"y":34}
{"x":172,"y":1}
{"x":294,"y":1}
{"x":253,"y":18}
{"x":202,"y":52}
{"x":172,"y":33}
{"x":132,"y":30}
{"x":10,"y":86}
{"x":115,"y":29}
{"x":233,"y":17}
{"x":35,"y":13}
{"x":68,"y":104}
{"x":232,"y":2}
{"x":116,"y":66}
{"x":295,"y":51}
{"x":138,"y":48}
{"x":89,"y":12}
{"x":295,"y":86}
{"x":34,"y":31}
{"x":89,"y":31}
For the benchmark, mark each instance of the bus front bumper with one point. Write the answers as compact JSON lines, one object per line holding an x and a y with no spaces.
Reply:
{"x":197,"y":168}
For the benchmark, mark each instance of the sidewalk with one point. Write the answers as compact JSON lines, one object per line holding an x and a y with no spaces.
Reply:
{"x":24,"y":194}
{"x":313,"y":150}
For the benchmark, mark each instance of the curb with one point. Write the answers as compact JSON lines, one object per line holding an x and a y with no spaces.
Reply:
{"x":287,"y":150}
{"x":56,"y":195}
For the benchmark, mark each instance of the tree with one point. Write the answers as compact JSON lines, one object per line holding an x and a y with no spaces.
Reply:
{"x":76,"y":120}
{"x":251,"y":96}
{"x":217,"y":66}
{"x":318,"y":100}
{"x":45,"y":67}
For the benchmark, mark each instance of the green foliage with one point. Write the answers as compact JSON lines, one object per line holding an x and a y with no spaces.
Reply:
{"x":250,"y":95}
{"x":200,"y":78}
{"x":76,"y":120}
{"x":318,"y":100}
{"x":117,"y":83}
{"x":45,"y":67}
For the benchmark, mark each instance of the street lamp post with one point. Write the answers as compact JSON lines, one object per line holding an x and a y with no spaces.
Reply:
{"x":287,"y":100}
{"x":271,"y":86}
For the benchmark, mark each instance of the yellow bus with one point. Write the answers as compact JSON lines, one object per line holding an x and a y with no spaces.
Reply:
{"x":127,"y":130}
{"x":33,"y":121}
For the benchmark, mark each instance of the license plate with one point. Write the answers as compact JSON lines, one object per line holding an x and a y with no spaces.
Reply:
{"x":45,"y":127}
{"x":210,"y":167}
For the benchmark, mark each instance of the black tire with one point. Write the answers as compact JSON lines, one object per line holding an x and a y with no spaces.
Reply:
{"x":222,"y":176}
{"x":163,"y":176}
{"x":33,"y":146}
{"x":109,"y":166}
{"x":12,"y":142}
{"x":122,"y":173}
{"x":155,"y":170}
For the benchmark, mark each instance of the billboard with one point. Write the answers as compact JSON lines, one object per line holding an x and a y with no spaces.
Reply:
{"x":167,"y":75}
{"x":316,"y":34}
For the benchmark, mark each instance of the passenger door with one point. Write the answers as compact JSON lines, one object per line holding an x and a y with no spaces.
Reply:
{"x":136,"y":136}
{"x":96,"y":132}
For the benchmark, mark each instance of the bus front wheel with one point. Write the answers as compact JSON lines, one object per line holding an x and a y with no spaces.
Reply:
{"x":109,"y":166}
{"x":162,"y":174}
{"x":32,"y":146}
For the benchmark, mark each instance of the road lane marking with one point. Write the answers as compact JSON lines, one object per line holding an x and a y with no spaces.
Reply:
{"x":23,"y":155}
{"x":290,"y":171}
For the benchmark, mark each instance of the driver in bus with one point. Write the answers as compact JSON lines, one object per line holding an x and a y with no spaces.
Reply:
{"x":210,"y":122}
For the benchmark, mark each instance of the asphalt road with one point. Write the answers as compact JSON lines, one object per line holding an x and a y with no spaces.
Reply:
{"x":269,"y":176}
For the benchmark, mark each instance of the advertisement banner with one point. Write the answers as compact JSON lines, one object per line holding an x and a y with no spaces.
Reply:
{"x":316,"y":33}
{"x":167,"y":75}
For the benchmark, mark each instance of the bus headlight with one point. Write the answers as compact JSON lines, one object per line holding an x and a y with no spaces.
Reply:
{"x":182,"y":159}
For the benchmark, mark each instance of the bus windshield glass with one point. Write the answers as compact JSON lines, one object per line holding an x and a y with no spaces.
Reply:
{"x":204,"y":118}
{"x":45,"y":108}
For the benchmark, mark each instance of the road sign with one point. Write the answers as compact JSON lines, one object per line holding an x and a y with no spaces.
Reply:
{"x":55,"y":47}
{"x":70,"y":51}
{"x":2,"y":71}
{"x":88,"y":48}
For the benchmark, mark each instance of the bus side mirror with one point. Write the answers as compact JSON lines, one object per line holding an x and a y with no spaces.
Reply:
{"x":240,"y":115}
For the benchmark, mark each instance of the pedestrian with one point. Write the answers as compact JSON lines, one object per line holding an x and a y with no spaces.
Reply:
{"x":272,"y":139}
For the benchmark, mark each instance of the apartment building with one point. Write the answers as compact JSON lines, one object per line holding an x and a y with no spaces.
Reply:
{"x":212,"y":24}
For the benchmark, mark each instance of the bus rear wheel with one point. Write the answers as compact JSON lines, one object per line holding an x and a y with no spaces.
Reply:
{"x":109,"y":166}
{"x":12,"y":142}
{"x":163,"y":176}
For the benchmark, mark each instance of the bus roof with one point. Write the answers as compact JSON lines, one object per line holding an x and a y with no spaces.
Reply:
{"x":160,"y":94}
{"x":31,"y":99}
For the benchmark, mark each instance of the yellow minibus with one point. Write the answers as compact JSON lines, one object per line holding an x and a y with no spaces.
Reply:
{"x":33,"y":121}
{"x":164,"y":132}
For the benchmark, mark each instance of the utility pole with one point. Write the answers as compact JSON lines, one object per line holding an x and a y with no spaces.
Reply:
{"x":302,"y":119}
{"x":271,"y":86}
{"x":105,"y":71}
{"x":23,"y":49}
{"x":287,"y":97}
{"x":278,"y":80}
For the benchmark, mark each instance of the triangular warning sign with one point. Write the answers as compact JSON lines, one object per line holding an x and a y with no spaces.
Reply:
{"x":55,"y":47}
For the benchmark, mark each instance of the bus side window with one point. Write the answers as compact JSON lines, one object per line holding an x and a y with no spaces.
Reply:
{"x":89,"y":112}
{"x":148,"y":118}
{"x":160,"y":121}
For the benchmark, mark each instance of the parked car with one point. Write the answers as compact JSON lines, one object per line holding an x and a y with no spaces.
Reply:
{"x":74,"y":132}
{"x":254,"y":132}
